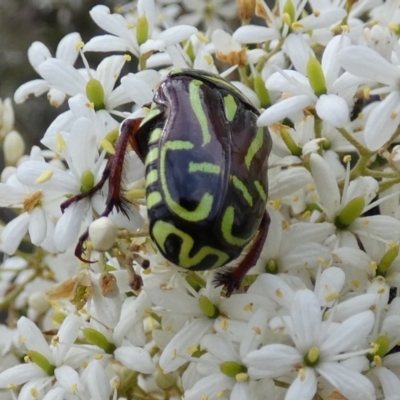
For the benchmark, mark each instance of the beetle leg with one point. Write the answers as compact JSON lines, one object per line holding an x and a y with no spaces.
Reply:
{"x":114,"y":198}
{"x":231,"y":278}
{"x":113,"y":173}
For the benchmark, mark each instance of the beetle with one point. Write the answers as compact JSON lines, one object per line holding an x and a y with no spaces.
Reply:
{"x":206,"y":174}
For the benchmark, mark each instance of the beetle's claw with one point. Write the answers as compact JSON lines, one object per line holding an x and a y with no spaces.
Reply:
{"x":80,"y":249}
{"x":228,"y":279}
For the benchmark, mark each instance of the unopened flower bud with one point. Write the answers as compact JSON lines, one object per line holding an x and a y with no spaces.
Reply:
{"x":395,"y":156}
{"x":6,"y":117}
{"x":38,"y":302}
{"x":14,"y":147}
{"x":103,"y":233}
{"x":7,"y":173}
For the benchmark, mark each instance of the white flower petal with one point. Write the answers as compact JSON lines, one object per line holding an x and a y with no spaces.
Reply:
{"x":329,"y":63}
{"x":13,"y":233}
{"x":109,"y":43}
{"x":209,"y":387}
{"x":299,"y":52}
{"x":240,"y":391}
{"x":60,"y":181}
{"x":326,"y":184}
{"x":68,"y":226}
{"x":390,"y":382}
{"x":36,"y":87}
{"x":352,"y":331}
{"x":140,"y":92}
{"x":367,"y":63}
{"x":383,"y":121}
{"x":382,"y":226}
{"x":333,"y":109}
{"x":176,"y":354}
{"x":306,"y":318}
{"x":136,"y":359}
{"x":284,"y":109}
{"x":355,"y":306}
{"x":96,"y":381}
{"x":288,"y":182}
{"x":272,"y":360}
{"x":33,"y":338}
{"x":67,"y":50}
{"x":351,"y":384}
{"x":304,"y":386}
{"x":323,"y":19}
{"x":20,"y":374}
{"x":63,"y":76}
{"x":114,"y":23}
{"x":38,"y":53}
{"x":108,"y":72}
{"x":254,"y":34}
{"x":37,"y":226}
{"x":176,"y":34}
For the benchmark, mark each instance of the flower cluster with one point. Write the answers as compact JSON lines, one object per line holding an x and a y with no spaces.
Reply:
{"x":317,"y":317}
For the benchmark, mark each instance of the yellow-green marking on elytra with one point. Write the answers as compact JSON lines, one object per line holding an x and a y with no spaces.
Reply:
{"x":230,"y":107}
{"x":227,"y":224}
{"x":204,"y":206}
{"x":155,"y":136}
{"x":242,"y":188}
{"x":260,"y":190}
{"x":151,"y":177}
{"x":206,"y":167}
{"x":196,"y":103}
{"x":162,"y":229}
{"x":152,"y":155}
{"x":152,"y":199}
{"x":150,"y":115}
{"x":255,"y":145}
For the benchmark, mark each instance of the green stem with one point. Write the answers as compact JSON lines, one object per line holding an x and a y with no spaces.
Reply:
{"x":388,"y":184}
{"x":263,"y":60}
{"x":350,"y":138}
{"x":365,"y":154}
{"x":360,"y":168}
{"x":381,"y":174}
{"x":11,"y":296}
{"x":142,"y":63}
{"x":243,"y":77}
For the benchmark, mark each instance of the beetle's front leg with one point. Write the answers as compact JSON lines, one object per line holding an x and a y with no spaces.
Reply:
{"x":231,"y":278}
{"x":113,"y":173}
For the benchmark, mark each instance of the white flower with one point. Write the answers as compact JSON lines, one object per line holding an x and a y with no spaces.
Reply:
{"x":318,"y":348}
{"x":223,"y":364}
{"x":71,"y":81}
{"x":125,"y":35}
{"x":67,"y":52}
{"x":373,"y":68}
{"x":39,"y":208}
{"x":46,"y":360}
{"x":331,"y":105}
